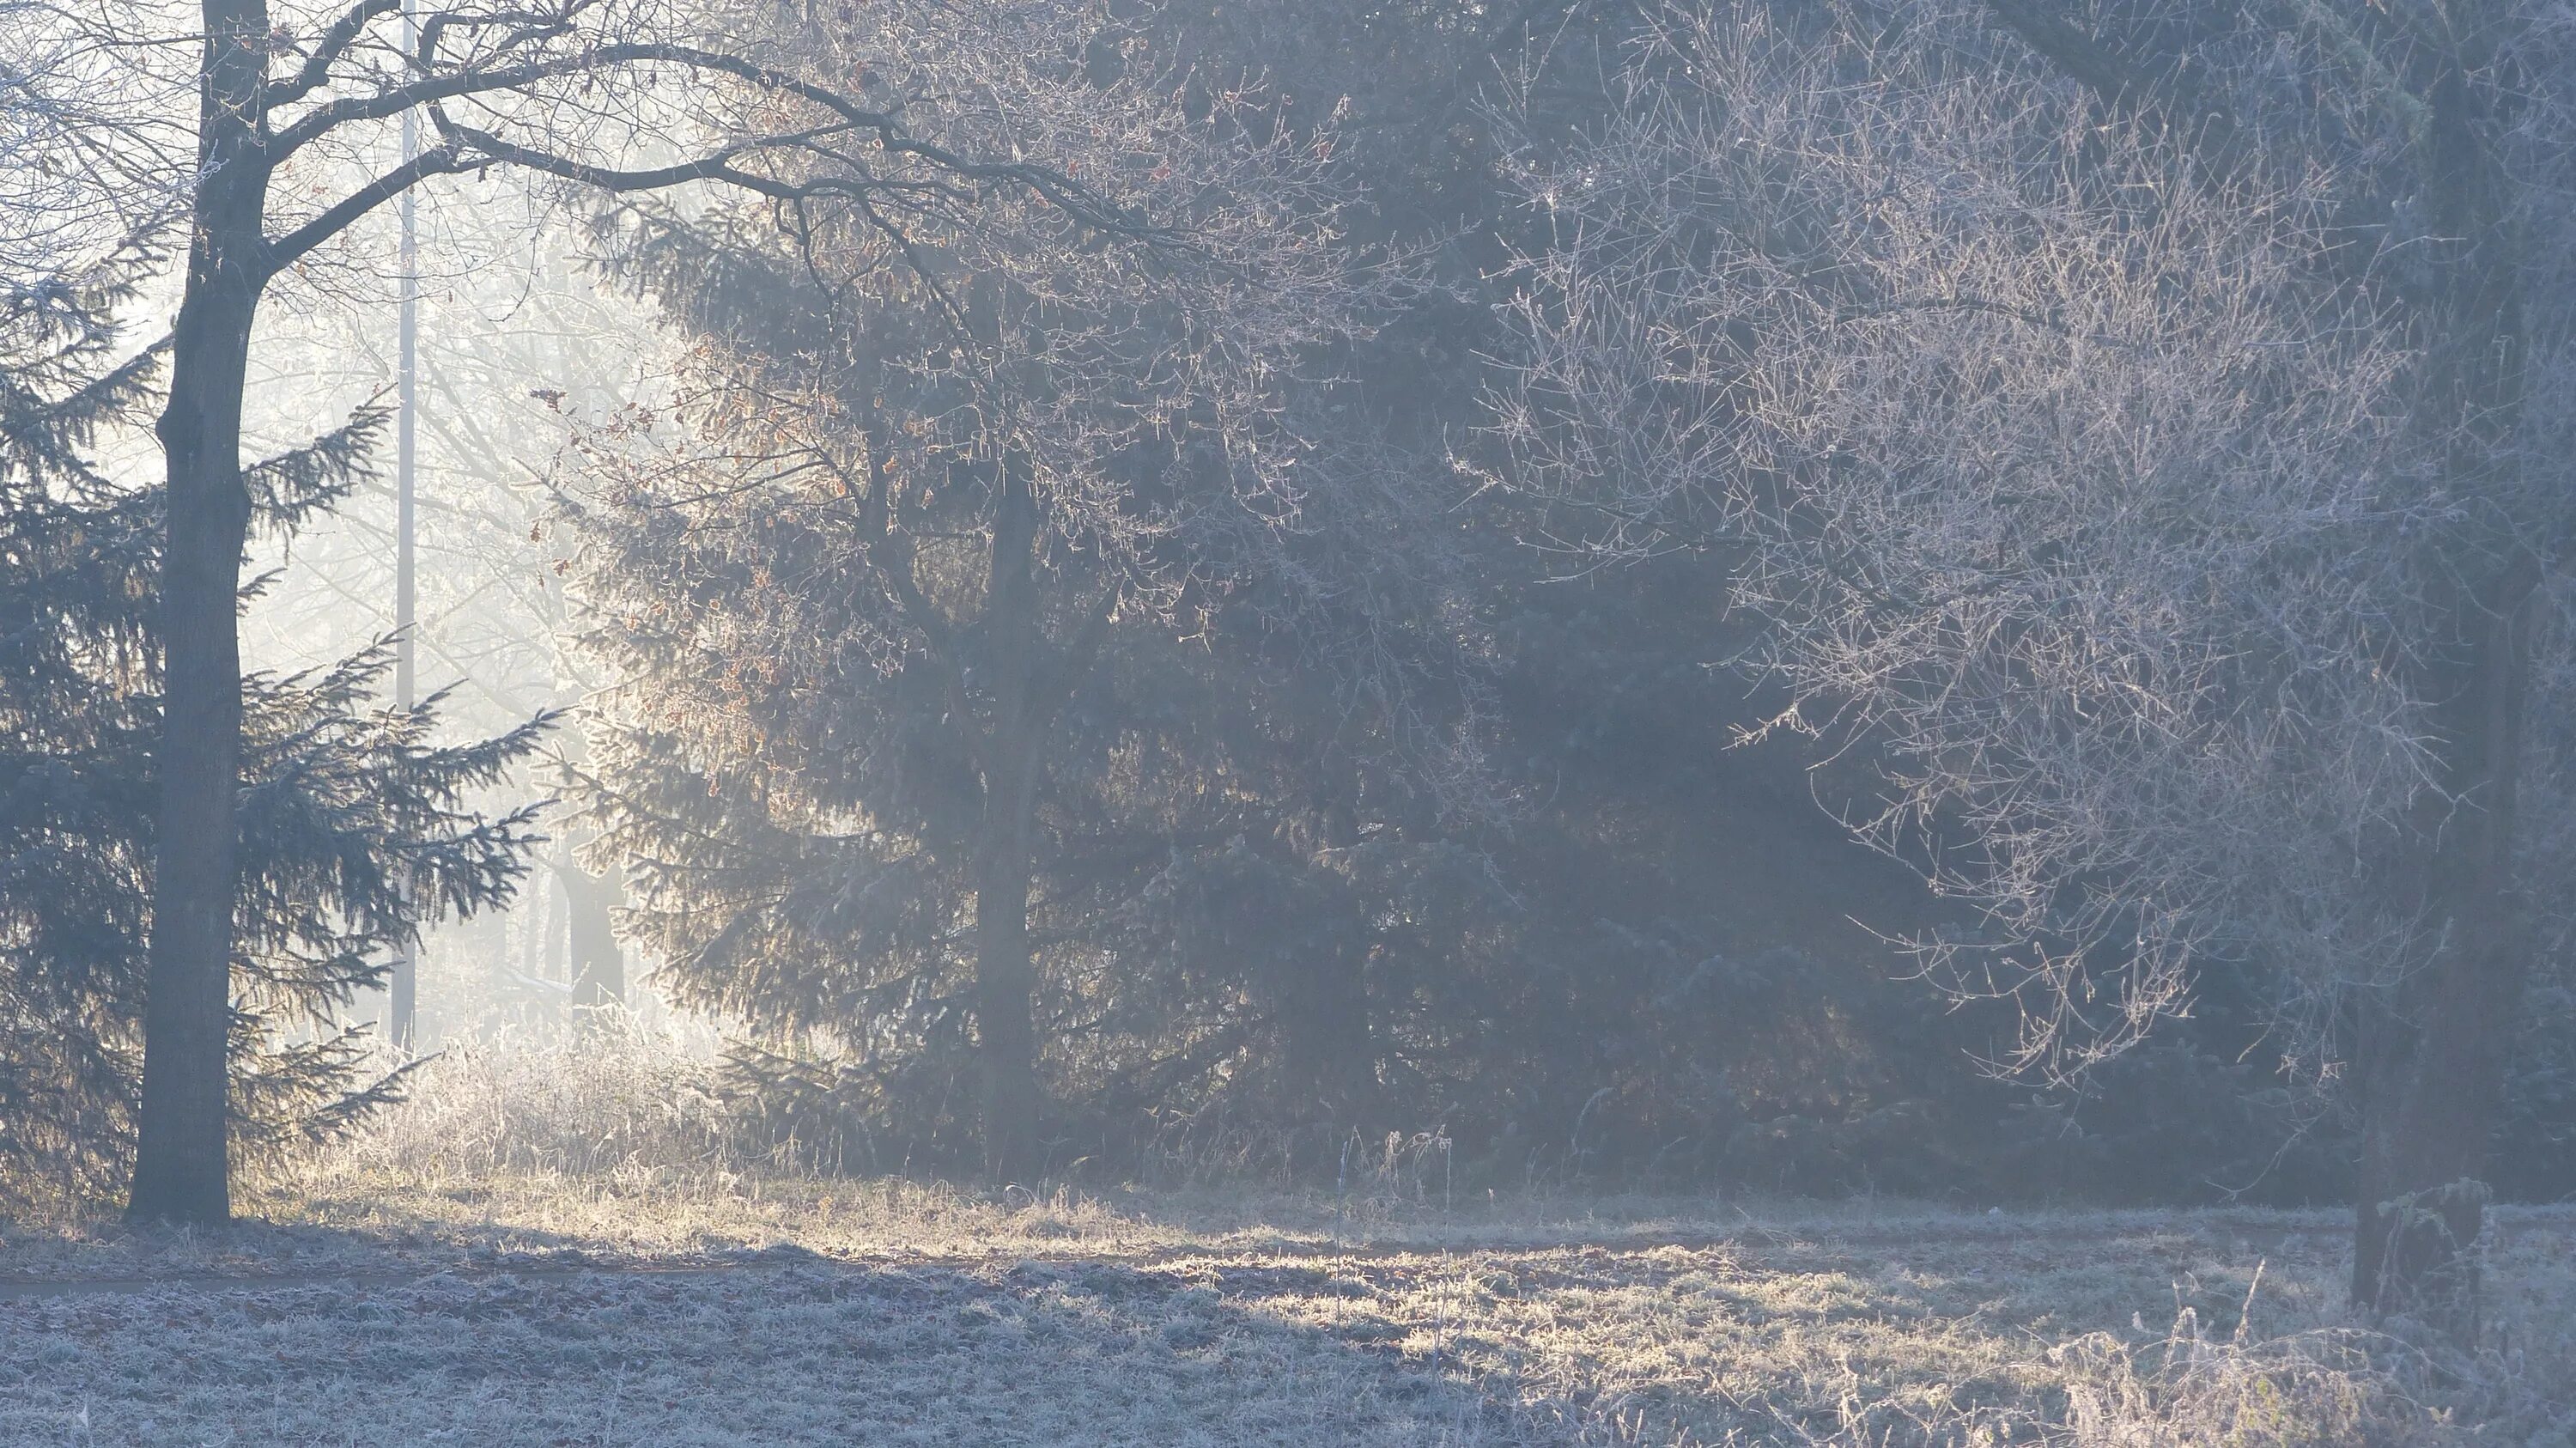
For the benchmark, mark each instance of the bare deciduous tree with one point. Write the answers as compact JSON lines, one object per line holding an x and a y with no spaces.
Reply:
{"x":2097,"y":477}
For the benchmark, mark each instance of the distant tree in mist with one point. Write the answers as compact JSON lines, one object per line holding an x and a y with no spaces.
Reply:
{"x":2123,"y":446}
{"x":986,"y":609}
{"x":517,"y":337}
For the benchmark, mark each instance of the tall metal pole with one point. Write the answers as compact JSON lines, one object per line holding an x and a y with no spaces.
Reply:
{"x":404,"y":986}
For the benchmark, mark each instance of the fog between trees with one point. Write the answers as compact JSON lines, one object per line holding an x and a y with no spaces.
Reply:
{"x":1911,"y":597}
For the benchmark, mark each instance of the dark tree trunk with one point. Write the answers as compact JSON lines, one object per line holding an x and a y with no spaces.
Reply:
{"x":1329,"y":1054}
{"x":2431,"y":1062}
{"x":182,"y":1169}
{"x":1326,"y":1049}
{"x":555,"y":946}
{"x":540,"y":904}
{"x":598,"y":961}
{"x":1005,"y":970}
{"x":1005,"y":980}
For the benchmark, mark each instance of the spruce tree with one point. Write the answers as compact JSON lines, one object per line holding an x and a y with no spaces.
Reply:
{"x":354,"y":823}
{"x":986,"y":598}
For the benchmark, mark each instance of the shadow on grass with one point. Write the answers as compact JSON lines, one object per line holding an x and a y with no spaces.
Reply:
{"x":538,"y":1353}
{"x":935,"y":1315}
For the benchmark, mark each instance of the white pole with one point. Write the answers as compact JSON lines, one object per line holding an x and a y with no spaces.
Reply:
{"x":404,"y":986}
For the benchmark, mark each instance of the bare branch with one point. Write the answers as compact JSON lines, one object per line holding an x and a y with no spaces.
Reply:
{"x":287,"y":250}
{"x":327,"y":50}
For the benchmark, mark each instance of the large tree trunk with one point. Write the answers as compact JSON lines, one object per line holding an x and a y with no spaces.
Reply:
{"x":539,"y":928}
{"x":182,"y":1167}
{"x":1005,"y":970}
{"x":1005,"y":980}
{"x":1328,"y":1057}
{"x":2431,"y":1060}
{"x":1329,"y":1053}
{"x":554,"y":949}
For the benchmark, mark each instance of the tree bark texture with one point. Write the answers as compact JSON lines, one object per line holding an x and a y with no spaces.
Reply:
{"x":2431,"y":1060}
{"x":182,"y":1169}
{"x":1330,"y":1055}
{"x":1005,"y":968}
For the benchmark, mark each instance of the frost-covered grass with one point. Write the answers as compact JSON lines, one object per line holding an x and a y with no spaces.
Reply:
{"x":547,"y":1249}
{"x":933,"y":1356}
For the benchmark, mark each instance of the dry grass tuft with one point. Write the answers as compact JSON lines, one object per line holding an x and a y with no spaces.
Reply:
{"x":620,"y":1095}
{"x":2314,"y":1390}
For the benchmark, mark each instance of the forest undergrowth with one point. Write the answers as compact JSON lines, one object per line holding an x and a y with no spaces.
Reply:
{"x":562,"y":1241}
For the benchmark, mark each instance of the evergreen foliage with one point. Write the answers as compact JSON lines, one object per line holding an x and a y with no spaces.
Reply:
{"x":1003,"y":565}
{"x":355,"y":826}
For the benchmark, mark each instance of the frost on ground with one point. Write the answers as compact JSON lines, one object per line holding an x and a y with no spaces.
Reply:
{"x":1842,"y":1335}
{"x":542,"y":1252}
{"x":1031,"y":1354}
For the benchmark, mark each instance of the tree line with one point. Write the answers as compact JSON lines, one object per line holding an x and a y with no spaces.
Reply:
{"x":1899,"y":593}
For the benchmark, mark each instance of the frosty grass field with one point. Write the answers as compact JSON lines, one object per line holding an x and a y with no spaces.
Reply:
{"x":539,"y":1250}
